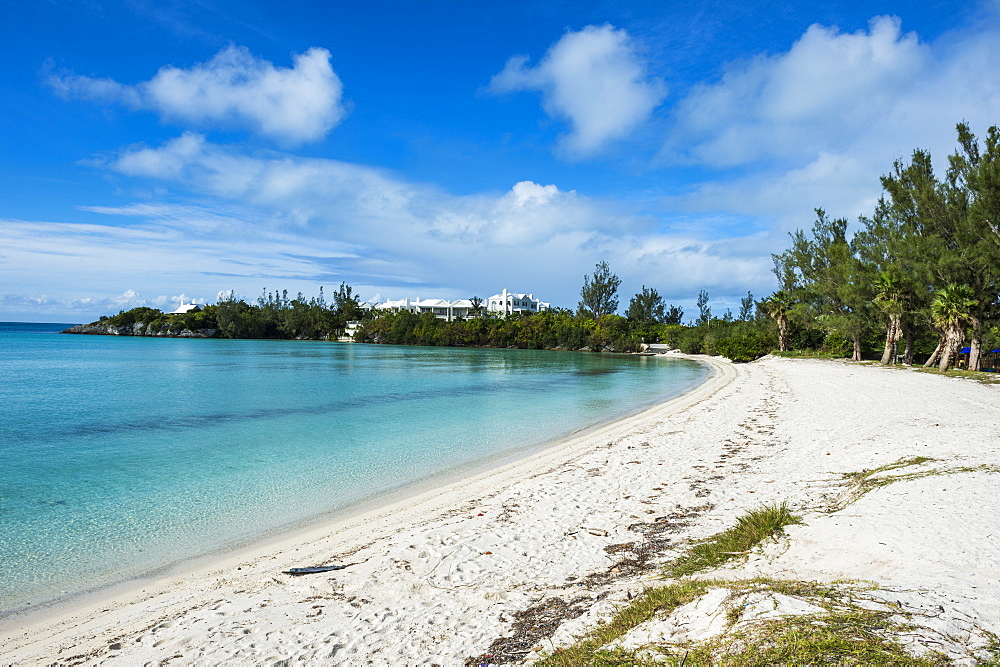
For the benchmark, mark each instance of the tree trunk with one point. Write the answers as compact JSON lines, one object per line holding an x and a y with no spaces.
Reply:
{"x":953,"y":342}
{"x":783,"y":334}
{"x":857,"y":349}
{"x":908,"y":351}
{"x":891,"y":336}
{"x":934,"y":355}
{"x":976,"y":347}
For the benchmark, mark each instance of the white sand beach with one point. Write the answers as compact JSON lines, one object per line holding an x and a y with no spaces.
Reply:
{"x":542,"y":549}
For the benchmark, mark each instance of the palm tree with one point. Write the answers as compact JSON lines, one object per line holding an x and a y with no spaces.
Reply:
{"x":890,"y":295}
{"x":777,"y":306}
{"x":477,"y":306}
{"x":952,"y":310}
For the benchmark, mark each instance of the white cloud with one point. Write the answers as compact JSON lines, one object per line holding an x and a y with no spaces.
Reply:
{"x":594,"y":78}
{"x":411,"y":237}
{"x":827,"y":88}
{"x":817,"y":125}
{"x":233,"y":89}
{"x":84,"y":307}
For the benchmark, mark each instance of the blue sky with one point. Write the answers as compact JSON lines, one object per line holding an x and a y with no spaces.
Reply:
{"x":159,"y":150}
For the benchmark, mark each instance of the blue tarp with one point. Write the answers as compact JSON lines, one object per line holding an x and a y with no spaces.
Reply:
{"x":966,"y":350}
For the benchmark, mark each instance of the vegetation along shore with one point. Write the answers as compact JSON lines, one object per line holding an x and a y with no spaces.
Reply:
{"x":916,"y":281}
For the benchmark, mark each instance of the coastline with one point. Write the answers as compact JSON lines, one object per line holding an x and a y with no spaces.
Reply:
{"x":412,"y":502}
{"x":440,"y":577}
{"x":326,"y":512}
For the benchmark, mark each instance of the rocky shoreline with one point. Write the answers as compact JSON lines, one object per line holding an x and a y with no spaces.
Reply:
{"x":138,"y":329}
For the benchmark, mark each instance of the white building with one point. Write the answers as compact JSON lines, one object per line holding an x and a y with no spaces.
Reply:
{"x":505,"y":302}
{"x":513,"y":302}
{"x":442,"y":308}
{"x":183,"y":308}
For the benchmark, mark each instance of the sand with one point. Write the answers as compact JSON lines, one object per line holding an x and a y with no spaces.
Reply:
{"x":521,"y":559}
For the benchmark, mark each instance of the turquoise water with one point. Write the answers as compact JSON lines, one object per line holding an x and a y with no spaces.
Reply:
{"x":123,"y":455}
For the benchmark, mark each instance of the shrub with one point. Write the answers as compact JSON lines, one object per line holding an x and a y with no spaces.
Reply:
{"x":690,"y":341}
{"x":746,"y":346}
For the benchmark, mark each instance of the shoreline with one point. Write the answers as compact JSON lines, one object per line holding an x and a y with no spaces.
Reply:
{"x":412,"y":500}
{"x":519,"y":560}
{"x":373,"y":503}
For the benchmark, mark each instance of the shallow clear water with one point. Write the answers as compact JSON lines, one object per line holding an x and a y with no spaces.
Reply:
{"x":122,"y":455}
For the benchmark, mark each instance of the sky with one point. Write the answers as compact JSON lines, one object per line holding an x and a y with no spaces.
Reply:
{"x":159,"y":150}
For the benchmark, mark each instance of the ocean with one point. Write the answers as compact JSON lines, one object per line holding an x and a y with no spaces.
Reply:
{"x":121,"y":455}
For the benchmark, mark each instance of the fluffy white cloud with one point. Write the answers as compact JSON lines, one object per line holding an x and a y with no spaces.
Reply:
{"x":817,"y":125}
{"x":594,"y":78}
{"x":826,"y":89}
{"x":409,"y":239}
{"x":233,"y":89}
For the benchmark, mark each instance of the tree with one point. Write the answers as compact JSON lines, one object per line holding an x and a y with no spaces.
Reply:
{"x":972,"y":190}
{"x":746,"y":307}
{"x":834,"y":283}
{"x":890,"y":295}
{"x":647,"y":307}
{"x":778,"y":306}
{"x":704,"y":310}
{"x":674,"y":315}
{"x":952,"y":310}
{"x":345,"y":302}
{"x":599,"y":296}
{"x":477,"y":306}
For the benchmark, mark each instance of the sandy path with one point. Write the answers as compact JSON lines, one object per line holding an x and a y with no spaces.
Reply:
{"x":560,"y":538}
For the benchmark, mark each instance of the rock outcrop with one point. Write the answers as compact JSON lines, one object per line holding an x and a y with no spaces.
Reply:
{"x":138,"y":329}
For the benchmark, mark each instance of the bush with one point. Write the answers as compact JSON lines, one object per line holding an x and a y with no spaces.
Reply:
{"x":746,"y":346}
{"x":836,"y":344}
{"x":671,"y":334}
{"x":690,"y":341}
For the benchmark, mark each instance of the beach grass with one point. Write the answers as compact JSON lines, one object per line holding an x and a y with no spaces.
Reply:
{"x":807,"y":354}
{"x":845,"y":632}
{"x":865,"y":481}
{"x":853,"y":636}
{"x":661,"y":600}
{"x":978,"y":376}
{"x":750,"y":530}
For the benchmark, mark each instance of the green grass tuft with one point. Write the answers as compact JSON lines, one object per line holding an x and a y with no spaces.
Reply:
{"x":659,"y":600}
{"x":861,"y":482}
{"x":853,"y":636}
{"x":978,"y":376}
{"x":845,"y":633}
{"x":749,"y":531}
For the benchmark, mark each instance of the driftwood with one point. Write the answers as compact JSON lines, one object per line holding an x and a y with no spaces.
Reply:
{"x":299,"y":571}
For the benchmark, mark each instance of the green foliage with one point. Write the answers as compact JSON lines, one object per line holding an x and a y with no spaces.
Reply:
{"x":599,"y":296}
{"x":272,"y":316}
{"x":546,"y":330}
{"x":126,"y":318}
{"x":834,"y":343}
{"x":747,"y":308}
{"x":647,"y":307}
{"x":745,"y":346}
{"x":691,"y":340}
{"x":750,"y":530}
{"x":674,"y":315}
{"x":704,"y":310}
{"x":887,"y":283}
{"x":671,"y":334}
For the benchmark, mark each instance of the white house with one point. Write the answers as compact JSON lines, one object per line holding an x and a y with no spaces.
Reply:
{"x":183,"y":308}
{"x":442,"y":308}
{"x":513,"y":302}
{"x":505,"y":302}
